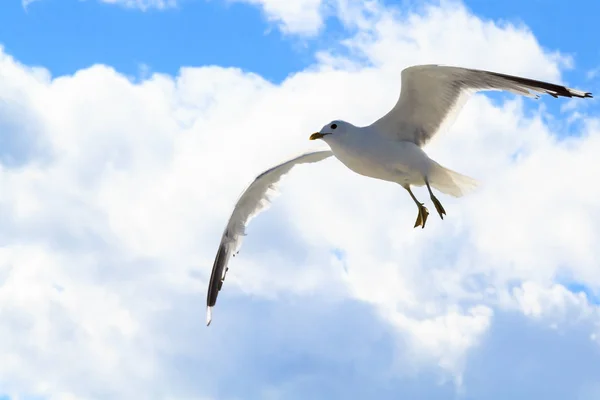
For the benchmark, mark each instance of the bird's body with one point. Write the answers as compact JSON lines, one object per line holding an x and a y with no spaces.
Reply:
{"x":389,"y":149}
{"x":379,"y":157}
{"x":401,"y":162}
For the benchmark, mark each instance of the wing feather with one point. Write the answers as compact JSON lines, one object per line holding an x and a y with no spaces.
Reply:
{"x":252,"y":201}
{"x":432,"y":96}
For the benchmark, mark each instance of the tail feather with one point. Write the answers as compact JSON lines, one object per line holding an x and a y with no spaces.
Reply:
{"x":450,"y":182}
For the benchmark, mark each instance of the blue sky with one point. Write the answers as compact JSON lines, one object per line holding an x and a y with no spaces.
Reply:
{"x":133,"y":241}
{"x":65,"y":36}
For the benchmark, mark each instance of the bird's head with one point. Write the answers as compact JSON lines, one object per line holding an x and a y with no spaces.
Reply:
{"x":334,"y":129}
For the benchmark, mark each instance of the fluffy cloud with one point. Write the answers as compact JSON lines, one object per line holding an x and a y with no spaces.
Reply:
{"x":307,"y":18}
{"x":114,"y":195}
{"x":304,"y":17}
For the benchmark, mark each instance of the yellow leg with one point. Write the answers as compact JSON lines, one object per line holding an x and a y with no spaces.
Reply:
{"x":438,"y":206}
{"x":423,"y":212}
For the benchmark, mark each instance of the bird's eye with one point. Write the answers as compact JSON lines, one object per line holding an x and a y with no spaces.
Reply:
{"x":333,"y":126}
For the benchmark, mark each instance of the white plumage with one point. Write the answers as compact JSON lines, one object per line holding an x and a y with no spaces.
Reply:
{"x":390,"y":149}
{"x":433,"y":95}
{"x":252,"y":201}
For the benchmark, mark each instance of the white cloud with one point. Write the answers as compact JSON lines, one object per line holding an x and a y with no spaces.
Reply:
{"x":114,"y":195}
{"x":304,"y":17}
{"x":308,"y":18}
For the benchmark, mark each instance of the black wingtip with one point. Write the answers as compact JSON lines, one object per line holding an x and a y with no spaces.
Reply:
{"x":585,"y":95}
{"x":552,"y":89}
{"x":217,"y":276}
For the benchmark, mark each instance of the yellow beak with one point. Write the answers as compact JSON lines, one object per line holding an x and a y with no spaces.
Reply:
{"x":316,"y":135}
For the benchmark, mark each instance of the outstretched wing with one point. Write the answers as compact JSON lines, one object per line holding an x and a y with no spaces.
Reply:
{"x":431,"y":97}
{"x":252,"y":201}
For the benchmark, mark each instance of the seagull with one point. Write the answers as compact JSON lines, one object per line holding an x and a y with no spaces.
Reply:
{"x":390,"y":149}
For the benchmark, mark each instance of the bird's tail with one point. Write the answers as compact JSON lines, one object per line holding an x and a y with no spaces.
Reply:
{"x":450,"y":182}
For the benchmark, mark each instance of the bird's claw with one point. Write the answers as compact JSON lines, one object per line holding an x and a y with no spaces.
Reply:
{"x":422,"y":216}
{"x":438,"y":207}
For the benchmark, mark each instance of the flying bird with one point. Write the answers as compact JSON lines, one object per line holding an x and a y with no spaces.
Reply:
{"x":390,"y":149}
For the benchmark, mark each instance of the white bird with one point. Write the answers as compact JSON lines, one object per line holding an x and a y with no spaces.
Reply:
{"x":389,"y":149}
